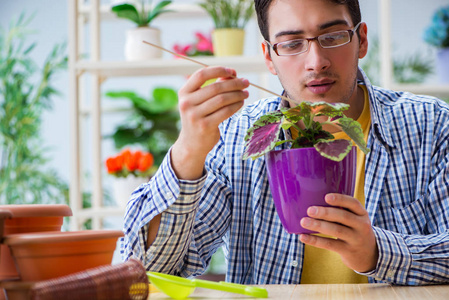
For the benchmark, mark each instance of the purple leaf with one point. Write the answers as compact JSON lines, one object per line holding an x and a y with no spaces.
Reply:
{"x":335,"y":150}
{"x":261,"y":139}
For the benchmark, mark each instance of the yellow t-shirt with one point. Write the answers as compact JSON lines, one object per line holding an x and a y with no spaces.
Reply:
{"x":324,"y":266}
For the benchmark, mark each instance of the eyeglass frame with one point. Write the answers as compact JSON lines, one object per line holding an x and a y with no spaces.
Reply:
{"x":350,"y":31}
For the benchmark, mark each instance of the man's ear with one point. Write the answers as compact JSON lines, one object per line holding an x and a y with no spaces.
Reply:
{"x":363,"y":46}
{"x":267,"y":57}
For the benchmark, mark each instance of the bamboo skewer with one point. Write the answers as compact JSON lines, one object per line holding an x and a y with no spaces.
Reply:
{"x":205,"y":65}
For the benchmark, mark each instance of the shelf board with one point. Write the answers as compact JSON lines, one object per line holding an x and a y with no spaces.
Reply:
{"x":100,"y":212}
{"x":178,"y":11}
{"x":438,"y":90}
{"x":159,"y":67}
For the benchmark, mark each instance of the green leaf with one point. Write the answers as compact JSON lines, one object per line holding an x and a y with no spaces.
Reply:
{"x":157,"y":10}
{"x":127,"y":11}
{"x":229,"y":14}
{"x":164,"y":99}
{"x":335,"y":150}
{"x":311,"y":109}
{"x":353,"y":129}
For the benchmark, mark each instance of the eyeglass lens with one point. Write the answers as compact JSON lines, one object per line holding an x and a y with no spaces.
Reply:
{"x":328,"y":40}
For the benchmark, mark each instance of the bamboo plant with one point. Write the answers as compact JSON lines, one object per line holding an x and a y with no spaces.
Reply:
{"x":26,"y":92}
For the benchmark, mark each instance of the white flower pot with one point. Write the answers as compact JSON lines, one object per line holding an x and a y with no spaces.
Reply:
{"x":124,"y":187}
{"x":442,"y":65}
{"x":136,"y":50}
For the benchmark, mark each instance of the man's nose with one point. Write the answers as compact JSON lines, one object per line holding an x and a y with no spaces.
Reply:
{"x":316,"y":58}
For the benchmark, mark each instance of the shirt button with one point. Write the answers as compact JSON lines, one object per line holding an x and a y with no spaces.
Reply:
{"x":294,"y":263}
{"x":168,"y":195}
{"x":390,"y":274}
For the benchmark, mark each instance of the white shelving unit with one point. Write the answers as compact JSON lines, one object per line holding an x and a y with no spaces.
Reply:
{"x":94,"y":14}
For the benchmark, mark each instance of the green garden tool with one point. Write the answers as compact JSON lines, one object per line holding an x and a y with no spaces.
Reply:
{"x":180,"y":288}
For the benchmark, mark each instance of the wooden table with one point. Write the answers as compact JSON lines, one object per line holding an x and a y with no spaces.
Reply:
{"x":331,"y":291}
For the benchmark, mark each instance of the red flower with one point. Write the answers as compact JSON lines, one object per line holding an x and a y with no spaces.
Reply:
{"x":202,"y":46}
{"x":114,"y":164}
{"x":145,"y":162}
{"x":183,"y":50}
{"x":204,"y":43}
{"x":127,"y":162}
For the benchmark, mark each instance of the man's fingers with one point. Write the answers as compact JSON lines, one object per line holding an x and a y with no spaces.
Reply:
{"x":322,"y":242}
{"x":339,"y":231}
{"x":347,"y":202}
{"x":198,"y":78}
{"x":334,"y":214}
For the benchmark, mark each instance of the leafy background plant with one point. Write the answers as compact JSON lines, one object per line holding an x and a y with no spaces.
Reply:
{"x":26,"y":91}
{"x":229,"y":13}
{"x":412,"y":68}
{"x":437,"y":33}
{"x":153,"y":123}
{"x":141,"y":17}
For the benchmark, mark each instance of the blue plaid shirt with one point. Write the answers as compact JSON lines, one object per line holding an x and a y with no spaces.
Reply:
{"x":406,"y":191}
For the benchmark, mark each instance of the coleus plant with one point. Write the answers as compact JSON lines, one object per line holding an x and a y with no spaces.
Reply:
{"x":265,"y":135}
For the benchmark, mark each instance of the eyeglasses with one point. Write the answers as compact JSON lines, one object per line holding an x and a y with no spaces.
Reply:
{"x":327,"y":40}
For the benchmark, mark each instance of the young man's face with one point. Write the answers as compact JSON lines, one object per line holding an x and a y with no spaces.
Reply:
{"x":318,"y":74}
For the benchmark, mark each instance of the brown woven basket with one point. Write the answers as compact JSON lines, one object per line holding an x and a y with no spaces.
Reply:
{"x":127,"y":280}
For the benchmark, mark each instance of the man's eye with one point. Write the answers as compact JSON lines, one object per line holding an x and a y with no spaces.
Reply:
{"x":293,"y":45}
{"x":333,"y":39}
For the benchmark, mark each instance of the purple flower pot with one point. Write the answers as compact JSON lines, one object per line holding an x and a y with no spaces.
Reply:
{"x":300,"y":178}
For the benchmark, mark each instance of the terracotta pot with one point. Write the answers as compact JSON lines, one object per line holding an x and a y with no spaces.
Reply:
{"x":4,"y":214}
{"x":46,"y":255}
{"x":28,"y":218}
{"x":300,"y":178}
{"x":17,"y":290}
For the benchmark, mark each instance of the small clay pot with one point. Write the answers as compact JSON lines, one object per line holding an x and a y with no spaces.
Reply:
{"x":47,"y":255}
{"x":28,"y":218}
{"x":4,"y":214}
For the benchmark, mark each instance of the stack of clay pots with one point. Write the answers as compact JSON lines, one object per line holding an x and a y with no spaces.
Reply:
{"x":33,"y":247}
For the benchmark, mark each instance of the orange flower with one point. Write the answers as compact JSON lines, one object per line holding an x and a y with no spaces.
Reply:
{"x":114,"y":164}
{"x":137,"y":163}
{"x":145,"y":162}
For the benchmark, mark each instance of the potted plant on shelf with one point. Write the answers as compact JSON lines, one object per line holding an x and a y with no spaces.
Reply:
{"x":153,"y":124}
{"x":437,"y":34}
{"x":230,"y":18}
{"x":131,"y":168}
{"x":316,"y":164}
{"x":134,"y":48}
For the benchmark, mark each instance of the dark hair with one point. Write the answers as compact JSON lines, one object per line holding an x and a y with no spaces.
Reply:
{"x":262,"y":7}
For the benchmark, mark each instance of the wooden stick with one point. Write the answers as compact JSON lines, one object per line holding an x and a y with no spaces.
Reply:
{"x":205,"y":65}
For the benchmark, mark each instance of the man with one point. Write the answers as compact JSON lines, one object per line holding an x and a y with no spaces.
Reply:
{"x":204,"y":196}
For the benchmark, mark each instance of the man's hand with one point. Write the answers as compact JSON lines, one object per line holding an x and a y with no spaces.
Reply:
{"x":202,"y":109}
{"x":348,"y":221}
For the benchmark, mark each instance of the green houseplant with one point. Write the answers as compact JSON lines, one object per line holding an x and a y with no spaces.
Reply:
{"x":230,"y":18}
{"x":152,"y":124}
{"x":264,"y":135}
{"x":437,"y":35}
{"x":143,"y":18}
{"x":26,"y":93}
{"x":315,"y":163}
